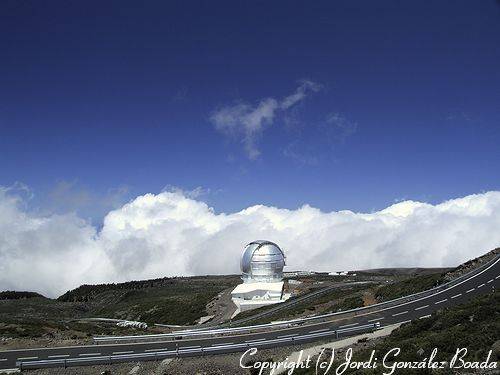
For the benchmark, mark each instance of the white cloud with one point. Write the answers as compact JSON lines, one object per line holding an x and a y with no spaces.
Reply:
{"x":292,"y":151}
{"x":248,"y":122}
{"x":71,"y":196}
{"x":46,"y":254}
{"x":300,"y":93}
{"x":197,"y":192}
{"x":341,"y":128}
{"x":171,"y":234}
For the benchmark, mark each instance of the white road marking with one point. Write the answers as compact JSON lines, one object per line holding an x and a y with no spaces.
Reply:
{"x":384,"y":309}
{"x":23,"y":358}
{"x":454,"y":286}
{"x":421,"y":307}
{"x":320,"y":330}
{"x":159,"y":351}
{"x":58,"y":356}
{"x":401,"y":313}
{"x":490,"y":281}
{"x":189,"y":347}
{"x":375,"y":320}
{"x":130,"y":351}
{"x":479,"y":286}
{"x":349,"y":325}
{"x":406,"y":321}
{"x":293,"y":334}
{"x":445,"y":290}
{"x":425,"y":316}
{"x":88,"y":354}
{"x":443,"y":300}
{"x":2,"y":359}
{"x":255,"y":340}
{"x":224,"y":343}
{"x":456,"y":295}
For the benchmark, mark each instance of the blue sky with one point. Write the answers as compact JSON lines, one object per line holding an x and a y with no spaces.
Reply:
{"x":104,"y":101}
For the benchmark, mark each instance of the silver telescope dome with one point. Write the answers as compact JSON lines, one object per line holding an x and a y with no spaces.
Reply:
{"x":262,"y":261}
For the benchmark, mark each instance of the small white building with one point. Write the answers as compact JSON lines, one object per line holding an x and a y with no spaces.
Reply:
{"x":262,"y":265}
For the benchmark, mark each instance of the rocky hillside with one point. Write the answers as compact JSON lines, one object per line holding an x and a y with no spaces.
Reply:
{"x":471,"y":264}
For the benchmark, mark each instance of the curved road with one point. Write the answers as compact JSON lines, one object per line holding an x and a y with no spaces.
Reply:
{"x":480,"y":283}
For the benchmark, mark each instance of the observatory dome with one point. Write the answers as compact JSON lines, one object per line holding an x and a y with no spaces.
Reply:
{"x":262,"y":261}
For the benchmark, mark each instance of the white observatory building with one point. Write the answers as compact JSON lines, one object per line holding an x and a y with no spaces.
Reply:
{"x":262,"y":265}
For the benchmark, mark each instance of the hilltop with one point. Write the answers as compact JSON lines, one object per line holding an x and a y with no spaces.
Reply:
{"x":28,"y":318}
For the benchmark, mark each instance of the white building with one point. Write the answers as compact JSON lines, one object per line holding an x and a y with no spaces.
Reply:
{"x":262,"y":265}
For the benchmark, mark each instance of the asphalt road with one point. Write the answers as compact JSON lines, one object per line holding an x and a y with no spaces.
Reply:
{"x":478,"y":284}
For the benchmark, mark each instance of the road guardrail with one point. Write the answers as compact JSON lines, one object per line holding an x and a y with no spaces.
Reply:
{"x":162,"y":354}
{"x":294,"y":322}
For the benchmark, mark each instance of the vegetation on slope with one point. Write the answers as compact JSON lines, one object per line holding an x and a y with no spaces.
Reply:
{"x":474,"y":325}
{"x":408,"y":286}
{"x":168,"y":300}
{"x":10,"y":294}
{"x":335,"y":300}
{"x":428,"y":281}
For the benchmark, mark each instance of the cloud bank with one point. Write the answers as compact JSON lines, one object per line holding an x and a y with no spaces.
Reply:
{"x":173,"y":234}
{"x":242,"y":120}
